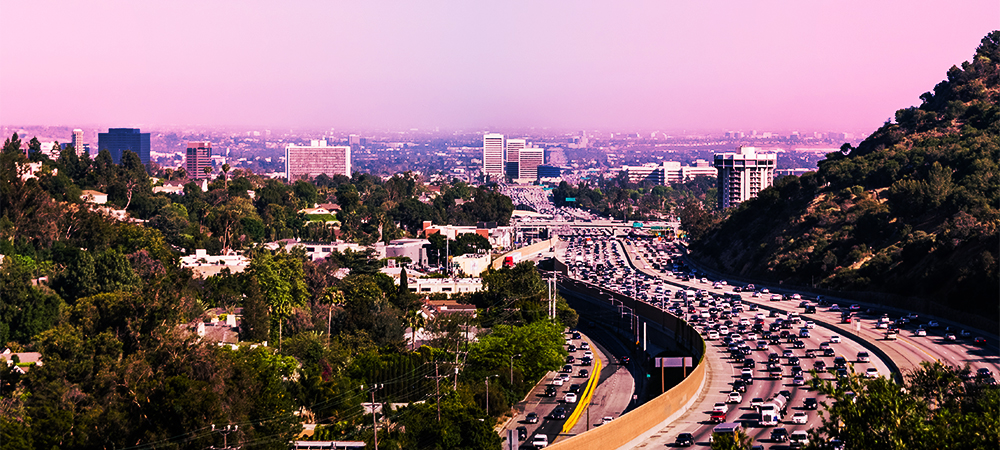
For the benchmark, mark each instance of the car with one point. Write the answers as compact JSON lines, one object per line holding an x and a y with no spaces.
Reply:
{"x":571,"y":348}
{"x":557,"y":381}
{"x":835,"y":307}
{"x":950,"y":336}
{"x":800,"y":417}
{"x":881,"y":325}
{"x":923,"y":332}
{"x":567,"y":369}
{"x":964,"y":333}
{"x":740,"y":386}
{"x":855,"y":307}
{"x":810,"y":353}
{"x":558,"y":413}
{"x":835,"y":339}
{"x":583,"y":373}
{"x":684,"y":440}
{"x":933,"y":324}
{"x":871,"y":372}
{"x":746,"y":372}
{"x":717,"y":417}
{"x":588,"y":354}
{"x":819,"y":365}
{"x":550,"y":391}
{"x":522,"y":433}
{"x":531,"y":418}
{"x":584,"y":346}
{"x":574,"y":388}
{"x":624,"y":360}
{"x":570,"y":359}
{"x":810,"y":403}
{"x":570,"y":398}
{"x":810,"y":324}
{"x":720,"y":407}
{"x":793,"y":361}
{"x":734,"y":397}
{"x":799,"y":344}
{"x":798,"y":380}
{"x":830,"y":352}
{"x":984,"y":372}
{"x":540,"y":441}
{"x":605,"y":420}
{"x":798,"y":439}
{"x":779,"y":435}
{"x":756,"y":402}
{"x":980,"y":341}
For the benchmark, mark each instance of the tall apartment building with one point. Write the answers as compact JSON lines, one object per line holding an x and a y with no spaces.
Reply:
{"x":317,"y":158}
{"x":493,"y":156}
{"x":198,"y":157}
{"x":528,"y":161}
{"x":118,"y":140}
{"x":77,"y":141}
{"x":742,"y":175}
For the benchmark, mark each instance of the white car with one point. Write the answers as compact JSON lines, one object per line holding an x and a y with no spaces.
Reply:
{"x":871,"y":372}
{"x":921,"y":332}
{"x":756,"y":402}
{"x":540,"y":441}
{"x":835,"y":339}
{"x":747,"y":372}
{"x":881,"y":325}
{"x":588,"y":354}
{"x":734,"y":397}
{"x":606,"y":419}
{"x":800,"y":417}
{"x":570,"y":398}
{"x":835,"y":307}
{"x":950,"y":336}
{"x":810,"y":324}
{"x":557,"y":381}
{"x":720,"y":407}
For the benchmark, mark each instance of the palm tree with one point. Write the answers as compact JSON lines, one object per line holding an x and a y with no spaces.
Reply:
{"x":207,"y":170}
{"x":225,"y":175}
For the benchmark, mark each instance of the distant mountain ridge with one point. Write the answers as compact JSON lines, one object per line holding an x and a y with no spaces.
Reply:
{"x":912,"y":211}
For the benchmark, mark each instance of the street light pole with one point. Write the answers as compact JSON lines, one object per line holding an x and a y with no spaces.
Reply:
{"x":512,"y":367}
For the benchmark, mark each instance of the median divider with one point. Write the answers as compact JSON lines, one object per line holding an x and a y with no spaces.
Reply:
{"x":584,"y":401}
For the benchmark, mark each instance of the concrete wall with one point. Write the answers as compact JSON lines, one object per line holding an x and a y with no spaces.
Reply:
{"x":526,"y":252}
{"x":651,"y":414}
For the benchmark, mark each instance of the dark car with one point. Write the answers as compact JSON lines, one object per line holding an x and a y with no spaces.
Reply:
{"x":810,"y":403}
{"x":747,"y":378}
{"x":570,"y":359}
{"x":740,"y":386}
{"x":779,"y":435}
{"x":559,"y":413}
{"x":550,"y":391}
{"x":531,"y":418}
{"x":584,"y":373}
{"x":586,"y":361}
{"x":567,"y":369}
{"x":819,"y":365}
{"x":624,"y":360}
{"x":574,"y":388}
{"x":799,"y":344}
{"x":684,"y":440}
{"x":571,"y":348}
{"x":522,"y":433}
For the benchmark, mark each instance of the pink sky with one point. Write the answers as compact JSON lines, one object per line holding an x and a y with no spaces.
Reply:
{"x":645,"y":65}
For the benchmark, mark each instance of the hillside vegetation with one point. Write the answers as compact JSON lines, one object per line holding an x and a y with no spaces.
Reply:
{"x":911,"y":211}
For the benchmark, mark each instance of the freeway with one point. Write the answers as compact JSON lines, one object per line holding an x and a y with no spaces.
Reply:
{"x":904,"y":353}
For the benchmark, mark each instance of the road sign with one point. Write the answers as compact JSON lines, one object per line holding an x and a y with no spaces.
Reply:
{"x":675,"y":362}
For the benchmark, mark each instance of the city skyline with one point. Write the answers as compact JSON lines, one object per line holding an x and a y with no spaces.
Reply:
{"x":579,"y":65}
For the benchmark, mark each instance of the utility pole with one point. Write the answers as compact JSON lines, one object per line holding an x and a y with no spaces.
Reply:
{"x":437,"y":387}
{"x":372,"y":390}
{"x":488,"y":393}
{"x":225,"y":436}
{"x":512,"y":367}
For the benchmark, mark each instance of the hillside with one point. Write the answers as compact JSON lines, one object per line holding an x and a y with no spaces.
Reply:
{"x":911,"y":212}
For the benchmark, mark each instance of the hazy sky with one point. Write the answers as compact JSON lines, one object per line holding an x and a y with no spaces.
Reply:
{"x":644,"y":65}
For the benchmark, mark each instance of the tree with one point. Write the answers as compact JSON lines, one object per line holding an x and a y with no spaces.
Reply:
{"x":281,"y":281}
{"x":932,"y":409}
{"x":225,"y":176}
{"x":739,"y":440}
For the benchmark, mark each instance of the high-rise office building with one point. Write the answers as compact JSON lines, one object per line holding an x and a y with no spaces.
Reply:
{"x":513,"y":160}
{"x":199,"y":156}
{"x":742,"y":175}
{"x":118,"y":140}
{"x":493,"y":156}
{"x":530,"y":159}
{"x":317,"y":158}
{"x":77,"y":141}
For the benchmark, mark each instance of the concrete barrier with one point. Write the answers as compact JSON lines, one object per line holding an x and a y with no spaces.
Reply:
{"x":640,"y":420}
{"x":525,"y":251}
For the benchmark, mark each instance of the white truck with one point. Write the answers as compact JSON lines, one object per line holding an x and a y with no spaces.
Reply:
{"x":772,"y":411}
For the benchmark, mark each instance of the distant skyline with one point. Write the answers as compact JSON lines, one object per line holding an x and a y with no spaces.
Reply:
{"x":644,"y":65}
